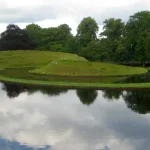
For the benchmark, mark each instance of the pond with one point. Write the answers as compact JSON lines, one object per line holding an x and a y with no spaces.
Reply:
{"x":42,"y":118}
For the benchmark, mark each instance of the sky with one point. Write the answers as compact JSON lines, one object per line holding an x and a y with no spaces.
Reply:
{"x":51,"y":13}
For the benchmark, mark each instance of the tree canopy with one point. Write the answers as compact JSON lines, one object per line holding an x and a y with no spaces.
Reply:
{"x":14,"y":38}
{"x":87,"y":31}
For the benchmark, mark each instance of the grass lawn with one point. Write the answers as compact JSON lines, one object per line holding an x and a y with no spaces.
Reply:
{"x":83,"y":68}
{"x":62,"y":69}
{"x":28,"y":58}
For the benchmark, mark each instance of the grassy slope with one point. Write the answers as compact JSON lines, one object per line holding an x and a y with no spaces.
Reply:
{"x":67,"y":64}
{"x":23,"y":73}
{"x":77,"y":68}
{"x":19,"y":59}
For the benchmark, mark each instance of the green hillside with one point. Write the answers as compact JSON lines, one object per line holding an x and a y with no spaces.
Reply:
{"x":28,"y":58}
{"x":83,"y":68}
{"x":61,"y":69}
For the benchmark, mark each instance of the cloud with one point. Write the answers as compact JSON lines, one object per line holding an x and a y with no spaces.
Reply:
{"x":53,"y":11}
{"x":18,"y":11}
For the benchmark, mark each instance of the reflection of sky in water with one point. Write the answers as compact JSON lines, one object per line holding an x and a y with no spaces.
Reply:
{"x":64,"y":123}
{"x":7,"y":145}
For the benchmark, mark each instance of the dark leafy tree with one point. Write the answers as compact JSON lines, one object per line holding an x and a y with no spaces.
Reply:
{"x":33,"y":31}
{"x":15,"y":38}
{"x":112,"y":34}
{"x":138,"y":36}
{"x":97,"y":50}
{"x":72,"y":45}
{"x":113,"y":28}
{"x":54,"y":38}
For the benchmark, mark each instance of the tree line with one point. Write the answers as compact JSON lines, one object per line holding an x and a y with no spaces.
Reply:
{"x":118,"y":42}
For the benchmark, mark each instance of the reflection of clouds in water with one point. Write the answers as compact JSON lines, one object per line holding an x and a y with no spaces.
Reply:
{"x":65,"y":123}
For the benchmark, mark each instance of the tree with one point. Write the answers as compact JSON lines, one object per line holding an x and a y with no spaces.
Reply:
{"x":72,"y":45}
{"x":54,"y":38}
{"x":64,"y":32}
{"x":138,"y":36}
{"x":87,"y":31}
{"x":96,"y":51}
{"x":113,"y":32}
{"x":15,"y":38}
{"x":113,"y":28}
{"x":33,"y":31}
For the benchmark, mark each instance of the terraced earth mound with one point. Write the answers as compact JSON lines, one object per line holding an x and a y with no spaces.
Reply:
{"x":56,"y":68}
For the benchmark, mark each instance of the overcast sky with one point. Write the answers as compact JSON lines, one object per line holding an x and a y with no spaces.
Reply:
{"x":48,"y":13}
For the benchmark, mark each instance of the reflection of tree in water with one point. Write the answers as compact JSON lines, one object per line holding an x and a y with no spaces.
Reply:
{"x":86,"y":96}
{"x":13,"y":90}
{"x":47,"y":90}
{"x":138,"y":101}
{"x":112,"y":94}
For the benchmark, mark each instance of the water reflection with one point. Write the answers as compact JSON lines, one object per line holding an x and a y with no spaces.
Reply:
{"x":42,"y":118}
{"x":7,"y":145}
{"x":86,"y":96}
{"x":112,"y":94}
{"x":144,"y":78}
{"x":14,"y":90}
{"x":137,"y":100}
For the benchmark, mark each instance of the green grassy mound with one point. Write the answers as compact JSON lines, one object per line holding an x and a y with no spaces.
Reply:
{"x":62,"y":69}
{"x":83,"y":68}
{"x":32,"y":58}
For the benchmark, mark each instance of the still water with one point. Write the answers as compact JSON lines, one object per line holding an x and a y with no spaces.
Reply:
{"x":42,"y":118}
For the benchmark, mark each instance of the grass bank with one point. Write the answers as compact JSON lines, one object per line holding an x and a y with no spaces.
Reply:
{"x":76,"y":85}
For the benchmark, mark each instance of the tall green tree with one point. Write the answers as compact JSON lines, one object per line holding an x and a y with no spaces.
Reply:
{"x":137,"y":34}
{"x":14,"y":38}
{"x":72,"y":45}
{"x":64,"y":32}
{"x":97,"y":50}
{"x":87,"y":31}
{"x":54,"y":38}
{"x":112,"y":34}
{"x":33,"y":31}
{"x":113,"y":28}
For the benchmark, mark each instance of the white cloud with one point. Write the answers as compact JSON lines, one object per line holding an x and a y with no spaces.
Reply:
{"x":54,"y":12}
